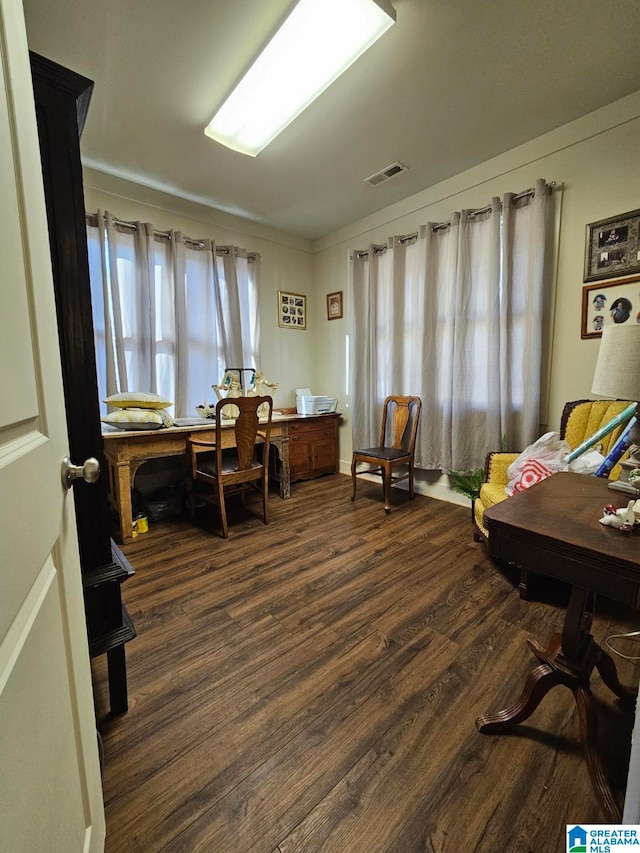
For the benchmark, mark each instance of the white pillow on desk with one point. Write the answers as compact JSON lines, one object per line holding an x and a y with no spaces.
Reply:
{"x":137,"y":419}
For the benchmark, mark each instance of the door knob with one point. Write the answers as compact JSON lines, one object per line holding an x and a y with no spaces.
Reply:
{"x":89,"y":472}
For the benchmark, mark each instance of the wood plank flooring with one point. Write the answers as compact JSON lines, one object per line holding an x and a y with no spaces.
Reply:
{"x":312,"y":685}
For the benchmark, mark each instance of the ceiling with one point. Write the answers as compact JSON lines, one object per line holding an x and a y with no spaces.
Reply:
{"x":452,"y":84}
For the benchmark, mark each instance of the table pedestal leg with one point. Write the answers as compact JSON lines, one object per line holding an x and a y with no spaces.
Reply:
{"x":573,"y":670}
{"x":588,"y":717}
{"x":609,"y":675}
{"x":538,"y":684}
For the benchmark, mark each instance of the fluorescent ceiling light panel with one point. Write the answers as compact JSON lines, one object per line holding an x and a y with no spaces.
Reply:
{"x":318,"y":41}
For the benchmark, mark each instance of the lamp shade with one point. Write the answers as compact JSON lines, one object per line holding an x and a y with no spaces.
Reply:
{"x":617,"y":372}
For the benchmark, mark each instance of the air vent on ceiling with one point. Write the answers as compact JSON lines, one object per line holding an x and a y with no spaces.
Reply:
{"x":385,"y":174}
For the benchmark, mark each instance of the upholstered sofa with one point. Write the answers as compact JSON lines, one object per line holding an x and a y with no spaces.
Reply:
{"x":580,"y":420}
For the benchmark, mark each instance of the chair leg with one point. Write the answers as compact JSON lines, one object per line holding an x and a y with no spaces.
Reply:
{"x":411,"y":480}
{"x":353,"y":478}
{"x":386,"y":476}
{"x":265,"y":496}
{"x":223,"y":510}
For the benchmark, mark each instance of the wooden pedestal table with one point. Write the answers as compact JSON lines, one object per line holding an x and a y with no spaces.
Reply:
{"x":553,"y":529}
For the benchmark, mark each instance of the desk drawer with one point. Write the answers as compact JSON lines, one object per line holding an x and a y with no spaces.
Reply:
{"x":313,"y":424}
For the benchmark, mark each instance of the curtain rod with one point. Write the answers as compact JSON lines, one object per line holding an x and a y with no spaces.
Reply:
{"x":407,"y":238}
{"x":92,"y":219}
{"x":486,"y":209}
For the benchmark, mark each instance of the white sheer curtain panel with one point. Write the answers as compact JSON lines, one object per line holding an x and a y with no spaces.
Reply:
{"x":199,"y":358}
{"x":170,"y":313}
{"x":454,"y":315}
{"x":525,"y":260}
{"x":238,"y":308}
{"x":132,"y":298}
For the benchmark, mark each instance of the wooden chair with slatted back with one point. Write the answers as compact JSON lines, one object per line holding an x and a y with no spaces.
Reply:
{"x":217,"y":469}
{"x":397,"y":446}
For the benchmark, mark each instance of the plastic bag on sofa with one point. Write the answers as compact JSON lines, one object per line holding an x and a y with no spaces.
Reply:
{"x":537,"y":461}
{"x":545,"y":457}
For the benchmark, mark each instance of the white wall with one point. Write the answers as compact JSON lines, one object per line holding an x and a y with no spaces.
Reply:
{"x":595,"y":162}
{"x":286,"y":264}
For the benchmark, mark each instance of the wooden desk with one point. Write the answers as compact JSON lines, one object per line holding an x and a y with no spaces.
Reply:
{"x":313,"y":439}
{"x":553,"y":528}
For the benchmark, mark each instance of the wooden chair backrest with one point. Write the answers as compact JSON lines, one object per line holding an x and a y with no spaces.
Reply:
{"x":246,"y":427}
{"x":405,"y":412}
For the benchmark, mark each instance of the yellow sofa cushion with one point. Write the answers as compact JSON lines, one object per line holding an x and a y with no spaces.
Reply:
{"x":492,"y":494}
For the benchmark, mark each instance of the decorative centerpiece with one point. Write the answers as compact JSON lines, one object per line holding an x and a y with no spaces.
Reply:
{"x":231,"y":387}
{"x":261,"y":387}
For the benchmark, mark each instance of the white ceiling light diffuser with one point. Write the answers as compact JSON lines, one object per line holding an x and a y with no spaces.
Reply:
{"x":318,"y":41}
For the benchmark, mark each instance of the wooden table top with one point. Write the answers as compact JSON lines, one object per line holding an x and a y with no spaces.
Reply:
{"x":553,"y":528}
{"x":278,"y":416}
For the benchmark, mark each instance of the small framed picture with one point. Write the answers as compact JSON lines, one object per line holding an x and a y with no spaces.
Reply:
{"x":608,"y":304}
{"x":292,"y":310}
{"x":613,"y":247}
{"x":334,"y":305}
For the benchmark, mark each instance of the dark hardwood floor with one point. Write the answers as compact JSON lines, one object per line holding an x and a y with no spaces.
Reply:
{"x":312,"y":686}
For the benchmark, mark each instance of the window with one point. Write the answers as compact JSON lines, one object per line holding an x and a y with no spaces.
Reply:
{"x":169,"y":313}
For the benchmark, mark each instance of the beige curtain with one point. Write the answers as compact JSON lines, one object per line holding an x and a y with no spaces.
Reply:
{"x":454,"y":315}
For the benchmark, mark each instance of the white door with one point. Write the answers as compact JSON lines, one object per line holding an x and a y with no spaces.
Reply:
{"x":50,"y":789}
